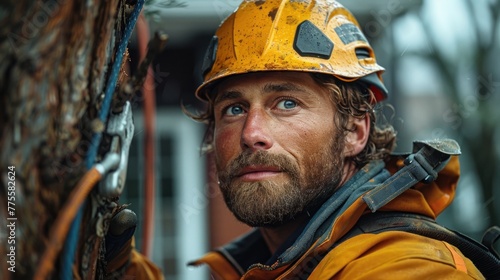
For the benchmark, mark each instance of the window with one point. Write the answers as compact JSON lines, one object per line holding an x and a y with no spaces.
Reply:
{"x":180,"y":222}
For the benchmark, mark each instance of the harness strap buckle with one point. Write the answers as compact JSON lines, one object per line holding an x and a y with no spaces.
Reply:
{"x":423,"y":165}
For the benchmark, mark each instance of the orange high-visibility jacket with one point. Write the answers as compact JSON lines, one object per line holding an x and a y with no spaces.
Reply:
{"x":387,"y":255}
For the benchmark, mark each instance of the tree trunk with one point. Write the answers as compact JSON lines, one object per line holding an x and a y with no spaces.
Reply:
{"x":54,"y":62}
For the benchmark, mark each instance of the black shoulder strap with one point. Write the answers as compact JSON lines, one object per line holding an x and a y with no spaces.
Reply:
{"x":485,"y":260}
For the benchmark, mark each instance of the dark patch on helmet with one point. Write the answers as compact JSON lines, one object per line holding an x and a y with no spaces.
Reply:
{"x":291,"y":20}
{"x":260,"y":2}
{"x":349,"y":33}
{"x":310,"y":41}
{"x":210,"y":54}
{"x":272,"y":14}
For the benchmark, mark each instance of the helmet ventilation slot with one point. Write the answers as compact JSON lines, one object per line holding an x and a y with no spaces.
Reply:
{"x":362,"y":53}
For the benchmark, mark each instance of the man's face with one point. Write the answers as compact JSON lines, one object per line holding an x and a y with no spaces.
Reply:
{"x":277,"y":150}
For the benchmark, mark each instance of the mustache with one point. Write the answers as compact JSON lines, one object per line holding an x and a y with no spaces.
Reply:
{"x":264,"y":158}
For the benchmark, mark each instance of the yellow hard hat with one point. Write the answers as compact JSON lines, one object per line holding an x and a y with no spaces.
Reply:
{"x":317,"y":36}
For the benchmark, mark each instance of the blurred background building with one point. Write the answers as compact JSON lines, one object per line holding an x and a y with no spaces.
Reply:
{"x":441,"y":59}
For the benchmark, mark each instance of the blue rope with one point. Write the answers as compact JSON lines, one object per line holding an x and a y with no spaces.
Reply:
{"x":68,"y":254}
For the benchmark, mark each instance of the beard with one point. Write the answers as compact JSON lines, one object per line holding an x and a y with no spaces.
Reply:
{"x":269,"y":203}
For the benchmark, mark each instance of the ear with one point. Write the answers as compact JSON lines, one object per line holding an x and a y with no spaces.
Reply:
{"x":357,"y":138}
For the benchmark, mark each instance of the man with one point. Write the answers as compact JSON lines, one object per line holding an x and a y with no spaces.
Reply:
{"x":292,"y":88}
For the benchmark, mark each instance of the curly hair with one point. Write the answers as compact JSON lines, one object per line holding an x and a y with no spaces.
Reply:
{"x":352,"y":99}
{"x":356,"y":100}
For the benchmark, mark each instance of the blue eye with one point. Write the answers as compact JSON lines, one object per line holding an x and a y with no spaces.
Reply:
{"x":287,"y":104}
{"x":234,"y":110}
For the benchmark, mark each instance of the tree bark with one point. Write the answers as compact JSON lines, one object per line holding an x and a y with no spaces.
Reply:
{"x":54,"y":61}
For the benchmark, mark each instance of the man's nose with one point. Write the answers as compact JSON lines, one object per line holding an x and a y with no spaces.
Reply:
{"x":256,"y":134}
